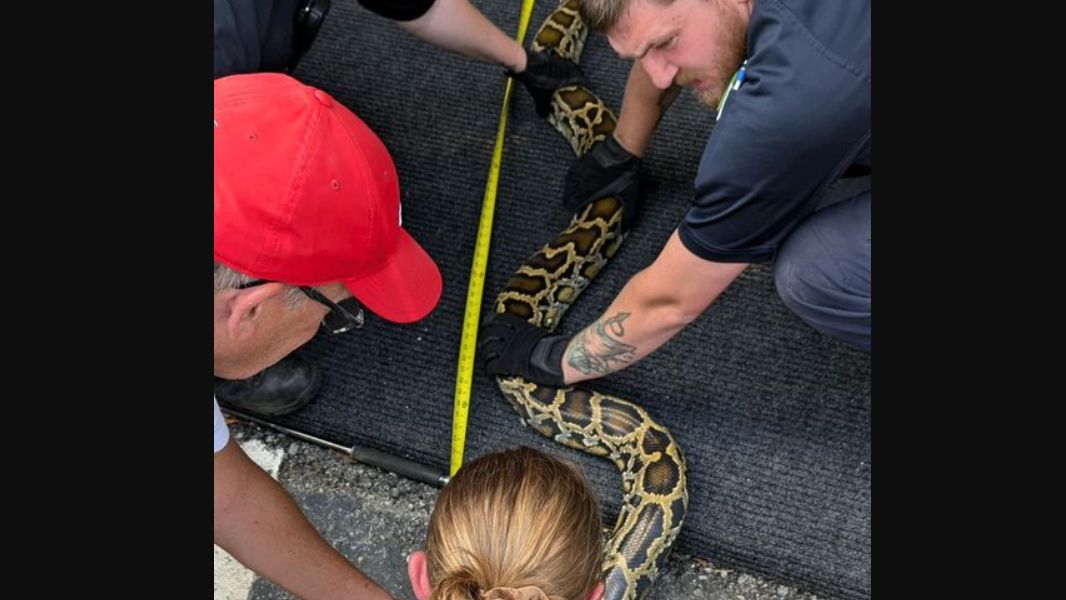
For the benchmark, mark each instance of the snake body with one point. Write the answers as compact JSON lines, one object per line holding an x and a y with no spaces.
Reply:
{"x":655,"y":496}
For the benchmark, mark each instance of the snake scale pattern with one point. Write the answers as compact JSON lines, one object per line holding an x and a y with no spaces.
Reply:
{"x":655,"y":495}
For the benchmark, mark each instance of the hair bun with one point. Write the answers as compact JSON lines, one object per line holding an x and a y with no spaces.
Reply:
{"x":529,"y":592}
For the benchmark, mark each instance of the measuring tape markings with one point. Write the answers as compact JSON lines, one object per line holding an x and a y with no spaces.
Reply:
{"x":468,"y":340}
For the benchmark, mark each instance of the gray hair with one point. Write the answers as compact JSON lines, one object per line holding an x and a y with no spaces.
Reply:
{"x":228,"y":279}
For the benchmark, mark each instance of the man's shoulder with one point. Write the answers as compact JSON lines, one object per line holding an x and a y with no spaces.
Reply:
{"x":803,"y":79}
{"x":839,"y":30}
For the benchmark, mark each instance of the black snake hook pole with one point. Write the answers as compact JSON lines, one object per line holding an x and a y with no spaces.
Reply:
{"x":367,"y":456}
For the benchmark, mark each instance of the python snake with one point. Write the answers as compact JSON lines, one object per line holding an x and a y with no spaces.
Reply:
{"x":655,"y":495}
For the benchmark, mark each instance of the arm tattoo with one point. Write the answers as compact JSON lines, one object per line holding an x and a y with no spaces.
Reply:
{"x":594,"y":351}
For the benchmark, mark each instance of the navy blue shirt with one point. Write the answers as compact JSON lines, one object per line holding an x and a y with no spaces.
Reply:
{"x":253,"y":35}
{"x":799,"y":120}
{"x":256,"y":35}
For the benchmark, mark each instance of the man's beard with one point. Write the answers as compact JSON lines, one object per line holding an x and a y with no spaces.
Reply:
{"x":711,"y":96}
{"x":731,"y":56}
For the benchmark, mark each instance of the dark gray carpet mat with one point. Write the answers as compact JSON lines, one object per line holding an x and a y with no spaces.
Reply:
{"x":774,"y":418}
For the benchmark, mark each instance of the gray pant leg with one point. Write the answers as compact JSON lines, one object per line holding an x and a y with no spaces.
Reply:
{"x":823,"y":271}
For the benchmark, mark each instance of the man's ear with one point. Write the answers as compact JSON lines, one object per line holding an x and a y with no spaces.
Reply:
{"x":597,"y":592}
{"x":418,"y":573}
{"x":244,"y":307}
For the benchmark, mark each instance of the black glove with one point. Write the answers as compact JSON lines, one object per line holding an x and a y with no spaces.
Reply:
{"x":545,"y":72}
{"x":607,"y":169}
{"x":511,"y":346}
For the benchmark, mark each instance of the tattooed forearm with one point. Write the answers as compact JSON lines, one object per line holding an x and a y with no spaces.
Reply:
{"x":594,"y":351}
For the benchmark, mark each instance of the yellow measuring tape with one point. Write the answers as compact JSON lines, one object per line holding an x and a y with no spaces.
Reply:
{"x":465,"y":374}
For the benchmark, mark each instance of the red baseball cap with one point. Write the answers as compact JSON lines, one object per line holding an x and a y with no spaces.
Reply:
{"x":306,"y":194}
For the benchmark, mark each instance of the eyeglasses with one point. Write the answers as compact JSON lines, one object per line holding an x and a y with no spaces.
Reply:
{"x":342,"y":316}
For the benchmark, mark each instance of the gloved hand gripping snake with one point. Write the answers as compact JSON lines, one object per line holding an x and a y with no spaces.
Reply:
{"x":655,"y":496}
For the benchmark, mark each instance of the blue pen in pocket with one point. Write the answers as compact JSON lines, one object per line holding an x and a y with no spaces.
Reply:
{"x":734,"y":84}
{"x":740,"y":76}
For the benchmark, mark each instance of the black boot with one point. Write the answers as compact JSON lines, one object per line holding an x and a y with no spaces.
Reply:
{"x":277,"y":390}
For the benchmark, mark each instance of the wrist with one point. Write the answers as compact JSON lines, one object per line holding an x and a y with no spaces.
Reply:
{"x":519,"y":59}
{"x":628,"y":143}
{"x":612,"y":155}
{"x":547,"y":357}
{"x":571,"y":375}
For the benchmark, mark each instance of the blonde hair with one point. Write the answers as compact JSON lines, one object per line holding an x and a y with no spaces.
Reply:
{"x":603,"y":15}
{"x":519,"y":524}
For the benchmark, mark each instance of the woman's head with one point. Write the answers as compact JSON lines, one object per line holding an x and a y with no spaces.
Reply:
{"x":515,"y":524}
